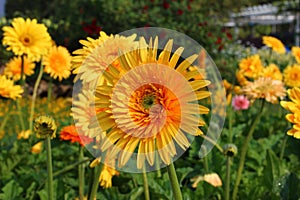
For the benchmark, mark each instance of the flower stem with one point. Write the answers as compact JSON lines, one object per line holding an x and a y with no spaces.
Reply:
{"x":20,"y":114}
{"x":22,"y":81}
{"x":95,"y":182}
{"x":49,"y":93}
{"x":49,"y":168}
{"x":174,"y":182}
{"x":227,"y":183}
{"x":146,"y":186}
{"x":36,"y":85}
{"x":283,"y":147}
{"x":244,"y":152}
{"x":81,"y":174}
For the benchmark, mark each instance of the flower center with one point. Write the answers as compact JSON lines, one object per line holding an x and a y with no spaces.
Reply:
{"x":26,"y":40}
{"x":148,"y":101}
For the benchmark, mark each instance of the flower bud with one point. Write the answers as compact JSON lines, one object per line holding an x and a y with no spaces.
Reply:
{"x":230,"y":150}
{"x":45,"y":126}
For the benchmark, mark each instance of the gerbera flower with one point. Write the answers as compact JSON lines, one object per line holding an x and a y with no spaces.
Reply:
{"x":274,"y":43}
{"x":265,"y":88}
{"x":294,"y":107}
{"x":58,"y":62}
{"x":45,"y":126}
{"x":273,"y":72}
{"x":109,"y":51}
{"x":27,"y":38}
{"x":296,"y":53}
{"x":291,"y":75}
{"x":240,"y":102}
{"x":151,"y":103}
{"x":70,"y":133}
{"x":8,"y":89}
{"x":88,"y":46}
{"x":251,"y":67}
{"x":106,"y":176}
{"x":242,"y":80}
{"x":14,"y":67}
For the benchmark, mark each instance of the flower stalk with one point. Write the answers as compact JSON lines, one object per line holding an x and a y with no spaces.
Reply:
{"x":49,"y":168}
{"x":174,"y":182}
{"x":244,"y":151}
{"x":95,"y":182}
{"x":81,"y":174}
{"x":36,"y":85}
{"x":146,"y":186}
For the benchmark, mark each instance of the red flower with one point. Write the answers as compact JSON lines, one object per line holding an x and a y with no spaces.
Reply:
{"x":92,"y":28}
{"x":219,"y":41}
{"x":229,"y":36}
{"x":166,"y":5}
{"x":179,"y":12}
{"x":70,"y":133}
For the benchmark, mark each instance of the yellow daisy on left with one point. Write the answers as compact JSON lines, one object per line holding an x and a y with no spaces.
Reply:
{"x":27,"y":37}
{"x":8,"y":89}
{"x":58,"y":62}
{"x":14,"y":67}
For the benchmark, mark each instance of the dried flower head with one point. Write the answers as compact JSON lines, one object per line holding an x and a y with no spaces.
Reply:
{"x":45,"y":126}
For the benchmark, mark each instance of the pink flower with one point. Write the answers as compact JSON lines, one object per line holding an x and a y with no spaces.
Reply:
{"x":240,"y":102}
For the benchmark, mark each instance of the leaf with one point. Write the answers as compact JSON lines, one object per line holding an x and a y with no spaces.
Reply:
{"x":11,"y":191}
{"x":135,"y":193}
{"x":272,"y":170}
{"x":290,"y":187}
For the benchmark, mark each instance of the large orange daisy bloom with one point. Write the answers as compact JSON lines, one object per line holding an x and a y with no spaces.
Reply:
{"x":150,"y":104}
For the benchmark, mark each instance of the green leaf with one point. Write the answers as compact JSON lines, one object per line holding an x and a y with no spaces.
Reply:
{"x":272,"y":170}
{"x":11,"y":191}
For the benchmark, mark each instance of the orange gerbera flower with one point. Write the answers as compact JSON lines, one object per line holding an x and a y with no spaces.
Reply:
{"x":291,"y":75}
{"x":294,"y":107}
{"x":251,"y":67}
{"x":296,"y":53}
{"x":14,"y":67}
{"x":274,"y":43}
{"x":70,"y":133}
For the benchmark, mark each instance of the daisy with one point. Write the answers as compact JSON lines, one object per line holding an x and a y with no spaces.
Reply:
{"x":14,"y":67}
{"x":27,"y":37}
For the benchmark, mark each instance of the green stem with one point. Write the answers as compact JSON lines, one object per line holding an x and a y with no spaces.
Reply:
{"x":81,"y":174}
{"x":49,"y":168}
{"x":174,"y":182}
{"x":212,"y":142}
{"x":95,"y":183}
{"x":146,"y":186}
{"x":36,"y":85}
{"x":20,"y":114}
{"x":283,"y":147}
{"x":22,"y":81}
{"x":244,"y":152}
{"x":4,"y":121}
{"x":205,"y":160}
{"x":157,"y":165}
{"x":230,"y":119}
{"x":49,"y":93}
{"x":227,"y":183}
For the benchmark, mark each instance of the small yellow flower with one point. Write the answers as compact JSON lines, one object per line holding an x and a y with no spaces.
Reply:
{"x":95,"y":162}
{"x":296,"y":53}
{"x":274,"y":43}
{"x":45,"y":126}
{"x":8,"y":89}
{"x":14,"y":66}
{"x":106,"y":175}
{"x":27,"y":37}
{"x":242,"y":80}
{"x":251,"y":66}
{"x":24,"y":135}
{"x":58,"y":62}
{"x":37,"y":148}
{"x":273,"y":72}
{"x":291,"y":75}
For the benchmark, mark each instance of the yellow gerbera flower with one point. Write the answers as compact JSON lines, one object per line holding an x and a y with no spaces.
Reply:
{"x":265,"y":88}
{"x":294,"y":107}
{"x":251,"y":67}
{"x":14,"y":66}
{"x":88,"y":46}
{"x":242,"y":80}
{"x":296,"y":53}
{"x":291,"y":75}
{"x":109,"y":51}
{"x":58,"y":62}
{"x":27,"y":38}
{"x":150,"y":102}
{"x":273,"y":72}
{"x":8,"y":89}
{"x":274,"y":43}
